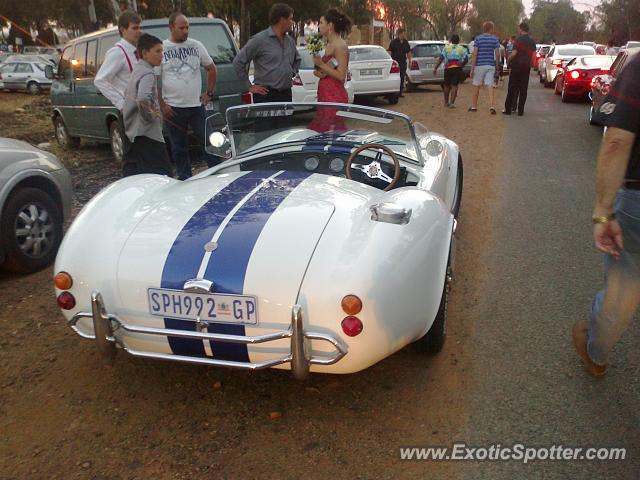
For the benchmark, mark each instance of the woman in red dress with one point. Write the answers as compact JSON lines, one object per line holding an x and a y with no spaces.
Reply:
{"x":332,"y":70}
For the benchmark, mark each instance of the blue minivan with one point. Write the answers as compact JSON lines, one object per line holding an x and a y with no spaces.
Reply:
{"x":81,"y":111}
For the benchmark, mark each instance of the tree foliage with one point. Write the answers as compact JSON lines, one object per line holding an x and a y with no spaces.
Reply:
{"x":557,"y":22}
{"x":505,"y":14}
{"x":619,"y":20}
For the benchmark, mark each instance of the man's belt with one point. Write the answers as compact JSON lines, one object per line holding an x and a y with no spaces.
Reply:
{"x":632,"y":184}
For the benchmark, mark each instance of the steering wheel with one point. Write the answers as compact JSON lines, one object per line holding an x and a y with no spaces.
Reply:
{"x":373,"y":170}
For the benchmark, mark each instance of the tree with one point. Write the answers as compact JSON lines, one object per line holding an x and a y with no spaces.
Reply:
{"x":557,"y":22}
{"x":505,"y":14}
{"x":619,"y":20}
{"x":444,"y":17}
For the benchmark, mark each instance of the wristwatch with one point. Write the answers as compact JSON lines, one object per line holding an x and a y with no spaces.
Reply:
{"x":596,"y":219}
{"x":211,"y":94}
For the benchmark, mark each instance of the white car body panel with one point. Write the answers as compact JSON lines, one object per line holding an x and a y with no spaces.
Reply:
{"x":383,"y":83}
{"x":549,"y":71}
{"x":318,"y":245}
{"x":308,"y":91}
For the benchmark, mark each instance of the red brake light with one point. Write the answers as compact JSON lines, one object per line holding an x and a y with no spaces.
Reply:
{"x":557,"y":62}
{"x":395,"y":68}
{"x":351,"y":326}
{"x":575,"y":74}
{"x":603,"y":70}
{"x":297,"y":81}
{"x":414,"y":65}
{"x":538,"y":55}
{"x":66,"y":301}
{"x":247,"y":97}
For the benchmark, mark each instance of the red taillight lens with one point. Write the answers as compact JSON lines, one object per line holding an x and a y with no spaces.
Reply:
{"x":395,"y":68}
{"x":593,"y":81}
{"x":557,"y":63}
{"x":351,"y":326}
{"x":247,"y":97}
{"x":297,"y":81}
{"x":414,"y":65}
{"x":575,"y":74}
{"x":66,"y":301}
{"x":603,"y":70}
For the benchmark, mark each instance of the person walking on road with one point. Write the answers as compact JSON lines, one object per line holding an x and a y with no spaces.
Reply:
{"x":484,"y":62}
{"x":275,"y":58}
{"x":616,"y":223}
{"x":454,"y":57}
{"x":142,"y":117}
{"x":520,"y":65}
{"x":400,"y":51}
{"x":182,"y":100}
{"x":115,"y":71}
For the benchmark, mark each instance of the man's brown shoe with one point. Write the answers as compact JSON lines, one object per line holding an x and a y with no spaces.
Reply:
{"x":580,"y":331}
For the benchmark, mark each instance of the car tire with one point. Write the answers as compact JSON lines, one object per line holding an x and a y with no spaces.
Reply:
{"x":411,"y":86}
{"x":34,"y":88}
{"x":564,"y":97}
{"x":433,"y":341}
{"x":591,"y":120}
{"x":116,"y":140}
{"x":455,"y":209}
{"x":62,"y":134}
{"x":30,"y":245}
{"x":557,"y":90}
{"x":393,"y":98}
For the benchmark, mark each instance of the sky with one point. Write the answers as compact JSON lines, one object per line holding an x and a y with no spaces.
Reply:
{"x":580,"y":5}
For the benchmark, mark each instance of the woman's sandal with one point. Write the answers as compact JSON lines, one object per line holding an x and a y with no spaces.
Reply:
{"x":471,"y":109}
{"x":493,"y":111}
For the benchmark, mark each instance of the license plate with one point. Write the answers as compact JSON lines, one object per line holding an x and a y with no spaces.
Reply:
{"x":371,"y":71}
{"x":212,"y":307}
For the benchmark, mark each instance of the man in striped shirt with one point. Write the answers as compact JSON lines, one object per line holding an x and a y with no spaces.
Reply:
{"x":484,"y":60}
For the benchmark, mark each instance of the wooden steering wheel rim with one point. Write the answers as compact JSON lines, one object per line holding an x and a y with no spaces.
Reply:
{"x":387,"y":150}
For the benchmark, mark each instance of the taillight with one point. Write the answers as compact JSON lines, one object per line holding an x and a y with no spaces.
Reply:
{"x":593,"y":81}
{"x":66,"y":301}
{"x":351,"y":326}
{"x":575,"y":74}
{"x":297,"y":81}
{"x":395,"y":68}
{"x":351,"y":305}
{"x":538,"y":55}
{"x":247,"y":97}
{"x":63,"y":281}
{"x":414,"y":65}
{"x":557,"y":62}
{"x":603,"y":70}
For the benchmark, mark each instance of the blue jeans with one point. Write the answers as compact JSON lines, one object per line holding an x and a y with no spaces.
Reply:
{"x":178,"y":127}
{"x":614,"y":306}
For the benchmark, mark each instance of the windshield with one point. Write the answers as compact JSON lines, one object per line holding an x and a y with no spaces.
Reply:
{"x":260,"y":127}
{"x":357,"y":54}
{"x":307,"y":61}
{"x":432,"y":50}
{"x":212,"y":35}
{"x":596,"y":61}
{"x":575,"y":52}
{"x":633,"y":44}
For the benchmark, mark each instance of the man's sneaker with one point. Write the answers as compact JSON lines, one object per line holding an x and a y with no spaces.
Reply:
{"x":452,"y":105}
{"x":580,"y":332}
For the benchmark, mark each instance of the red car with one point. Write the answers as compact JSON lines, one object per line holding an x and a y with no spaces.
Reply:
{"x":574,"y":80}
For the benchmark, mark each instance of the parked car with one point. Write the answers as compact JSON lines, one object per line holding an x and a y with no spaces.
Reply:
{"x":425,"y":54}
{"x":24,"y":75}
{"x":601,"y":84}
{"x":305,"y":250}
{"x":305,"y":83}
{"x":632,"y":44}
{"x":81,"y":111}
{"x":5,"y":56}
{"x":574,"y":80}
{"x":558,"y":57}
{"x":541,"y":53}
{"x":35,"y":200}
{"x":48,"y":53}
{"x":374,"y":73}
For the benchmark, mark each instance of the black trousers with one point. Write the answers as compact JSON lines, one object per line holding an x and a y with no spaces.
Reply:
{"x":145,"y":155}
{"x":403,"y":75}
{"x":518,"y":86}
{"x":273,"y":96}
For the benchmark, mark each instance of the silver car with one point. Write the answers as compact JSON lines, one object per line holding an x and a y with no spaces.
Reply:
{"x":25,"y":75}
{"x":35,"y":201}
{"x":557,"y":59}
{"x":424,"y":57}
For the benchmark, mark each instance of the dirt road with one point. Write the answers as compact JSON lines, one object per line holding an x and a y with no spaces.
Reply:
{"x":63,"y":414}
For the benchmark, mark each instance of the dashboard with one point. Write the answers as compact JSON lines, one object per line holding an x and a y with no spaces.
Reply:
{"x":319,"y":160}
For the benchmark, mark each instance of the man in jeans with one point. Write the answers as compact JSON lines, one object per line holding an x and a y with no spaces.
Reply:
{"x":616,"y":223}
{"x":181,"y":101}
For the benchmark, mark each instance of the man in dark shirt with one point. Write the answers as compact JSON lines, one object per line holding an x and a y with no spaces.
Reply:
{"x":520,"y":64}
{"x":275,"y":58}
{"x":616,"y":222}
{"x":400,"y":51}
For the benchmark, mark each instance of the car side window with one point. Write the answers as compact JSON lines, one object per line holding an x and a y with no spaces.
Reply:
{"x":92,"y":47}
{"x":9,"y":68}
{"x":80,"y":60}
{"x":106,"y":43}
{"x":65,"y":67}
{"x":23,"y":68}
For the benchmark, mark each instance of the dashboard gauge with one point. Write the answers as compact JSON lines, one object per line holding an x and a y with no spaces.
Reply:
{"x":311,"y":163}
{"x":336,"y":165}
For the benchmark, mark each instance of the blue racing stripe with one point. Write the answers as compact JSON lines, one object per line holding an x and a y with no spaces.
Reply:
{"x":187,"y":251}
{"x":228,"y":264}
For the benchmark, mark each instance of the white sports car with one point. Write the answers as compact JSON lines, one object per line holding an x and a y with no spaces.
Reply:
{"x":324,"y":243}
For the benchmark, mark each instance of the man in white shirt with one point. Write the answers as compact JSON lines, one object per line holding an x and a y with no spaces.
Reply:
{"x":115,"y":71}
{"x":182,"y":99}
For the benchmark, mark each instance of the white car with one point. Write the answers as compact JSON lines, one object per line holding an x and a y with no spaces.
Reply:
{"x":425,"y":55}
{"x":558,"y":57}
{"x":305,"y":83}
{"x":374,"y":73}
{"x":24,"y":75}
{"x":309,"y":249}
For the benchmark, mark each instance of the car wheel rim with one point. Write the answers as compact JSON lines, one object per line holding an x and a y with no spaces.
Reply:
{"x":33,"y":88}
{"x":116,"y":144}
{"x":34,"y":230}
{"x":61,"y":134}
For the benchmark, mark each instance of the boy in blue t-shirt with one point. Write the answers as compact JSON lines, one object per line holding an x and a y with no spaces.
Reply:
{"x":455,"y":57}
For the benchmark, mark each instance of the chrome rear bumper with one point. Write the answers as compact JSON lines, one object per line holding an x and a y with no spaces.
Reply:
{"x":105,"y":325}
